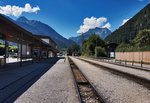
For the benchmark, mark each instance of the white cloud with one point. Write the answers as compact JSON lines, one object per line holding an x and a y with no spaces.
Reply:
{"x":16,"y":10}
{"x":93,"y":22}
{"x":124,"y":21}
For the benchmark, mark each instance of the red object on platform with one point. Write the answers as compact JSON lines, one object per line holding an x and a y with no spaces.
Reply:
{"x":7,"y":36}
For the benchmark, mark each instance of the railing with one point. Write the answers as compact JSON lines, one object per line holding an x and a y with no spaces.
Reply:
{"x":140,"y":64}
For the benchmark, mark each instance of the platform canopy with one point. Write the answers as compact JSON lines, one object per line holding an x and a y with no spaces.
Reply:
{"x":12,"y":32}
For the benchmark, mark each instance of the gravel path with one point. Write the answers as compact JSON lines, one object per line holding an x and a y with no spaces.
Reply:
{"x":55,"y":86}
{"x":115,"y":89}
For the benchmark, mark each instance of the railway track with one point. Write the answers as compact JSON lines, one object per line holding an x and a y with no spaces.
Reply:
{"x":140,"y":80}
{"x":87,"y":93}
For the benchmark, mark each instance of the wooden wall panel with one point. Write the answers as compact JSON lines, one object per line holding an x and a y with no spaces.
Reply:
{"x":133,"y":56}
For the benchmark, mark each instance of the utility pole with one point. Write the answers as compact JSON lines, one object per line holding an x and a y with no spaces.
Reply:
{"x":96,"y":47}
{"x":82,"y":40}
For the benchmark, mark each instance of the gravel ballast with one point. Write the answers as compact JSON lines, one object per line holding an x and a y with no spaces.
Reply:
{"x":114,"y":88}
{"x":137,"y":72}
{"x":55,"y":86}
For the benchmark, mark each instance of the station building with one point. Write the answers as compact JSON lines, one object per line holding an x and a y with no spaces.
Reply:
{"x":30,"y":46}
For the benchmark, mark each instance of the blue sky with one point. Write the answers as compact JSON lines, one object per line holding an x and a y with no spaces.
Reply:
{"x":66,"y":16}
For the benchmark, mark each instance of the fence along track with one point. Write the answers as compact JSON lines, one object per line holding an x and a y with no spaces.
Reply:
{"x":87,"y":93}
{"x":119,"y":63}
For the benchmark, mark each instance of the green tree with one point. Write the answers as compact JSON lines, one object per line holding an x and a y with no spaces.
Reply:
{"x":88,"y":47}
{"x":73,"y":49}
{"x":123,"y":47}
{"x":84,"y":45}
{"x":1,"y":43}
{"x":13,"y":48}
{"x":142,"y":38}
{"x":100,"y":52}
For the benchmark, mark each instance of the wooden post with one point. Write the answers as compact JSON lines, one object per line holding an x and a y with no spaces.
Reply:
{"x":18,"y":51}
{"x":21,"y":35}
{"x":6,"y":46}
{"x":132,"y":63}
{"x":32,"y":50}
{"x":39,"y":50}
{"x":47,"y":54}
{"x":141,"y":63}
{"x":26,"y":49}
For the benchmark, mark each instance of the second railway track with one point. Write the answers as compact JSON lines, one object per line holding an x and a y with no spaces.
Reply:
{"x":140,"y":80}
{"x":87,"y":93}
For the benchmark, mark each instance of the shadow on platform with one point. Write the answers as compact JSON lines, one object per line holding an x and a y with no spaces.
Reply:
{"x":11,"y":92}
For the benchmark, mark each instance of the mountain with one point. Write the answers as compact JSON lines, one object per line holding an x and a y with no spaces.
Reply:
{"x":39,"y":28}
{"x":129,"y":30}
{"x":102,"y":32}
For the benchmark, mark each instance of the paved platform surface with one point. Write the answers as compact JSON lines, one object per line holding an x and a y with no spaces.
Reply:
{"x":137,"y":72}
{"x":55,"y":86}
{"x":116,"y":89}
{"x":14,"y":80}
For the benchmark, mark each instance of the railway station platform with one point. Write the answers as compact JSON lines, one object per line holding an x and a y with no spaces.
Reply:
{"x":45,"y":81}
{"x":55,"y":86}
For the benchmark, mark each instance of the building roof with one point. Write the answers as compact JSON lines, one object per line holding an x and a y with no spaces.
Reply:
{"x":13,"y":31}
{"x":43,"y":36}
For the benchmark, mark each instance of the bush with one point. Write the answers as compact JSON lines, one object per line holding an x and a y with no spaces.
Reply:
{"x":100,"y":52}
{"x":130,"y":48}
{"x":13,"y":48}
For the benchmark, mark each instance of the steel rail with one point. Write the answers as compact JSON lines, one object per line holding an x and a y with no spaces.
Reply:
{"x":102,"y":99}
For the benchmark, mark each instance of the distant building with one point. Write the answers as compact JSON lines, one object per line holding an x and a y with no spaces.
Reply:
{"x":47,"y":40}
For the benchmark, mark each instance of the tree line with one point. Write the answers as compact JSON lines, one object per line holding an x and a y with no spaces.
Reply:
{"x":93,"y":47}
{"x":140,"y":43}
